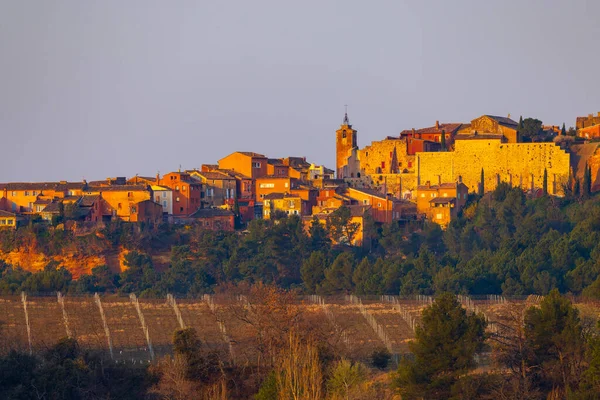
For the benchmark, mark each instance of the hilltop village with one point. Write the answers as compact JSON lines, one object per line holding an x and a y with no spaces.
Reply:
{"x":420,"y":174}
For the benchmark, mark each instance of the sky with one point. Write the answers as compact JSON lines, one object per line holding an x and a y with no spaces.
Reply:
{"x":99,"y":88}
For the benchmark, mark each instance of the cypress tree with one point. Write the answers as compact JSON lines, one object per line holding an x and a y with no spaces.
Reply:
{"x":521,"y":126}
{"x":545,"y":184}
{"x":482,"y":183}
{"x":443,"y":140}
{"x":563,"y":131}
{"x":587,"y":181}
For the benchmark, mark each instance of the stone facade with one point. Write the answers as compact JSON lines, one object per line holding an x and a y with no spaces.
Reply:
{"x":590,"y":120}
{"x":519,"y":164}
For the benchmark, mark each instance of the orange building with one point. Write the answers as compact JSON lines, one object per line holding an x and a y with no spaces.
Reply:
{"x":432,"y":134}
{"x":146,"y":211}
{"x":214,"y":219}
{"x":276,"y":167}
{"x":187,"y":192}
{"x":346,"y":142}
{"x":120,"y":200}
{"x":250,"y":164}
{"x":21,"y":196}
{"x":384,"y":208}
{"x":8,"y":220}
{"x":218,"y":187}
{"x":590,"y":132}
{"x":289,"y":204}
{"x":441,"y":203}
{"x":274,"y":184}
{"x":357,"y":214}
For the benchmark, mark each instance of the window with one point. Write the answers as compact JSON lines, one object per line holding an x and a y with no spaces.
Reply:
{"x":164,"y":204}
{"x":365,"y":202}
{"x":267,"y":185}
{"x":180,"y":209}
{"x":177,"y":187}
{"x":164,"y":195}
{"x":177,"y":199}
{"x":344,"y":135}
{"x":2,"y":222}
{"x":255,"y":165}
{"x":183,"y":188}
{"x":438,"y":216}
{"x":26,"y":193}
{"x":10,"y":221}
{"x":34,"y":193}
{"x":422,"y":194}
{"x":379,"y":205}
{"x":445,"y":195}
{"x":13,"y":194}
{"x":295,"y":212}
{"x":129,"y":194}
{"x":286,"y":184}
{"x":119,"y":206}
{"x":133,"y":210}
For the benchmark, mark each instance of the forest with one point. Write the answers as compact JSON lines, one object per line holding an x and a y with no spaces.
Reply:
{"x":502,"y":243}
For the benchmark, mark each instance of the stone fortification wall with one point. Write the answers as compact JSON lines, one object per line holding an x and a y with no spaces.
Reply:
{"x":372,"y":156}
{"x":520,"y":164}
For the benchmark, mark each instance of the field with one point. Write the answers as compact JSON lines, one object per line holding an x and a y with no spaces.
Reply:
{"x":130,"y":330}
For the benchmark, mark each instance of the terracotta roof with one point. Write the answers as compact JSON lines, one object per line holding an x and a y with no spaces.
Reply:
{"x":118,"y":188}
{"x":273,"y":196}
{"x":30,"y":186}
{"x":42,"y":201}
{"x":53,"y":207}
{"x":88,"y":200}
{"x":274,"y":177}
{"x":503,"y":120}
{"x":235,"y":174}
{"x":211,"y":212}
{"x":251,"y":154}
{"x":447,"y":127}
{"x":6,"y":214}
{"x":215,"y":175}
{"x":370,"y":192}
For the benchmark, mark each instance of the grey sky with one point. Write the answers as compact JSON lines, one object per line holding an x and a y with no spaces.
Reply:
{"x":105,"y":88}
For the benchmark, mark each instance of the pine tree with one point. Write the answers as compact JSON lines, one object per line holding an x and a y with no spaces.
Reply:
{"x":563,"y":131}
{"x":545,"y":184}
{"x":445,"y":344}
{"x":313,"y":271}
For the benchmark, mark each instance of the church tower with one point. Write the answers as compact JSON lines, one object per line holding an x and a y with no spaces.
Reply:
{"x":345,"y":142}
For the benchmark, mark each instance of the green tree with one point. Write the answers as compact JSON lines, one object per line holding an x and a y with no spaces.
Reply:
{"x":553,"y":332}
{"x":319,"y":237}
{"x":313,"y":271}
{"x":563,"y":131}
{"x":341,"y":227}
{"x":587,"y":181}
{"x":545,"y":182}
{"x":532,"y":129}
{"x":346,"y":378}
{"x":444,"y":349}
{"x":338,"y":277}
{"x":520,"y":127}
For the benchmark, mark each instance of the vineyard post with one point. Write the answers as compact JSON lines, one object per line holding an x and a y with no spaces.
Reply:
{"x":61,"y":301}
{"x":171,"y":301}
{"x":24,"y":301}
{"x":138,"y":308}
{"x":105,"y":324}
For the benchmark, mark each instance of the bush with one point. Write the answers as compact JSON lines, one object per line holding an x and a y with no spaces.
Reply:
{"x":380,"y":358}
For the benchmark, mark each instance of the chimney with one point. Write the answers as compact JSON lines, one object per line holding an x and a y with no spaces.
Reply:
{"x":157,"y":178}
{"x":437,"y":124}
{"x":460,"y":179}
{"x":508,"y":115}
{"x":109,"y":181}
{"x":413,"y":131}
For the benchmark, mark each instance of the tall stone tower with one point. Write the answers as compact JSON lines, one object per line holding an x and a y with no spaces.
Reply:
{"x":345,"y":141}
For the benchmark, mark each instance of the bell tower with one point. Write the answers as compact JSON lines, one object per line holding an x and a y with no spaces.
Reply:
{"x":345,"y":141}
